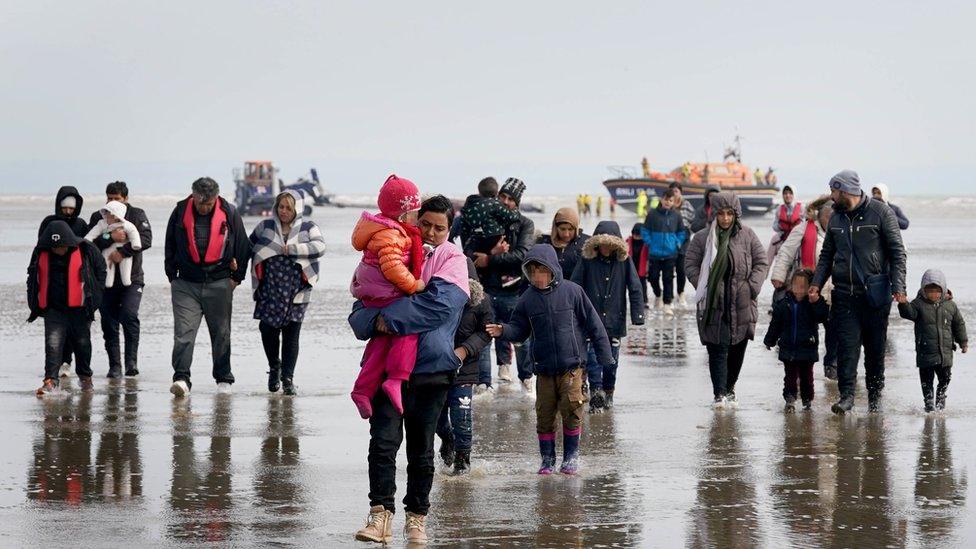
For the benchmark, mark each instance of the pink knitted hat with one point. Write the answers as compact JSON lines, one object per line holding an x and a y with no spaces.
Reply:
{"x":397,"y":197}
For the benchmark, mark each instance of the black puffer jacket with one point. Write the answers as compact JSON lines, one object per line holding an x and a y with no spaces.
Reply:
{"x":178,"y":262}
{"x":59,"y":233}
{"x":74,"y":220}
{"x":560,"y":319}
{"x":471,"y":332}
{"x":608,"y":280}
{"x":136,"y":216}
{"x":871,"y":230}
{"x":502,"y":267}
{"x":795,"y":328}
{"x":939,"y":325}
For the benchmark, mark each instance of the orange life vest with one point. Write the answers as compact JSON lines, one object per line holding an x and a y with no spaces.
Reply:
{"x":786,"y":223}
{"x":218,"y":233}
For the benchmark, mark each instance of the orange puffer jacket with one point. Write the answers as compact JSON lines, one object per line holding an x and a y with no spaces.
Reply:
{"x":385,"y":244}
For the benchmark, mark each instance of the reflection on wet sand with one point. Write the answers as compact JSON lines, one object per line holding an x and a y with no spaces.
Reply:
{"x":806,"y":480}
{"x":725,"y":511}
{"x":277,"y":483}
{"x":659,"y":337}
{"x":940,"y":492}
{"x":61,"y":471}
{"x":200,"y":495}
{"x":118,"y":469}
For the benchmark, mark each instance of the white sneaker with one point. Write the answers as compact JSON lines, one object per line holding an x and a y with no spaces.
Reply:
{"x":223,"y":388}
{"x":505,"y":372}
{"x":65,"y":370}
{"x":682,"y":301}
{"x":658,"y":302}
{"x":528,"y":385}
{"x":719,"y":403}
{"x":483,"y":391}
{"x":669,"y":310}
{"x":179,"y":388}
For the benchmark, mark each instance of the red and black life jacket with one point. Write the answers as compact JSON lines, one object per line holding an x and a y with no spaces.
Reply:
{"x":787,"y":222}
{"x":218,"y":233}
{"x":76,"y":286}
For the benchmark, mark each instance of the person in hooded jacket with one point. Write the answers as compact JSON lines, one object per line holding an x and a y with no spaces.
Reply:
{"x":120,"y":303}
{"x":727,"y":266}
{"x":207,"y":249}
{"x":67,"y":207}
{"x":704,"y":214}
{"x":880,"y":192}
{"x":456,"y":424}
{"x":687,"y":212}
{"x":664,"y":234}
{"x":560,"y":318}
{"x":608,"y":277}
{"x":864,"y":256}
{"x":285,"y":257}
{"x":788,"y":215}
{"x":939,"y":328}
{"x":65,"y":280}
{"x":638,"y":256}
{"x":566,"y":238}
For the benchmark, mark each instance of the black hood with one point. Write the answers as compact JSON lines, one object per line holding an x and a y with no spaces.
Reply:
{"x":607,"y":227}
{"x":58,"y":233}
{"x":63,"y":193}
{"x":545,"y":255}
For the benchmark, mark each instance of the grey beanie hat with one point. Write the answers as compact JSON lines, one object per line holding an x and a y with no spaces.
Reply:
{"x":846,"y":181}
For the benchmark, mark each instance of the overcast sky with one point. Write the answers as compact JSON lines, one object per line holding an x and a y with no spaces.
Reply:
{"x":158,"y":93}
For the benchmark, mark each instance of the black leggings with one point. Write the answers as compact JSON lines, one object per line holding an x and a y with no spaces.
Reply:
{"x":284,"y":339}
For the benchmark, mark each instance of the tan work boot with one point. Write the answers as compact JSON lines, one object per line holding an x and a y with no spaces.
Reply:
{"x":415,"y":530}
{"x":379,"y":526}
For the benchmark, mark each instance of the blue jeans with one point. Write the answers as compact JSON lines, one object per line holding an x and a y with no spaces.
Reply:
{"x":484,"y":366}
{"x":602,"y":376}
{"x":504,"y":305}
{"x":456,"y":420}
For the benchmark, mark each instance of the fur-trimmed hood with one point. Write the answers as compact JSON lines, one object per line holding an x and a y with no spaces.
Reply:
{"x":477,"y":292}
{"x":615,"y":242}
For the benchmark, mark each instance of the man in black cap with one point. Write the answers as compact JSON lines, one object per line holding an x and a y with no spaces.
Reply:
{"x":863,"y":254}
{"x":120,"y":304}
{"x":65,"y":280}
{"x":501,"y":275}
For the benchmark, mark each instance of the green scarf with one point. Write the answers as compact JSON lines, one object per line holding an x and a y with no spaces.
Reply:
{"x":720,"y":267}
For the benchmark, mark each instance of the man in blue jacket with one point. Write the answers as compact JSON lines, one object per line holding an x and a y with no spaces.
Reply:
{"x":664,"y":235}
{"x":433,"y":315}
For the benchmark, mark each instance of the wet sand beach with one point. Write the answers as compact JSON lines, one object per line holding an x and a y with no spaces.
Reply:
{"x":131,"y":466}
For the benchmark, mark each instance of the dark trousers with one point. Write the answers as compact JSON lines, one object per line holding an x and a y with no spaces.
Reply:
{"x":679,"y":271}
{"x":281,"y":346}
{"x":62,"y":328}
{"x":484,"y":366}
{"x":504,"y":305}
{"x":423,"y":400}
{"x":798,"y":371}
{"x":661,"y":272}
{"x":602,"y":376}
{"x":830,"y":341}
{"x":857,"y":324}
{"x":643,"y":284}
{"x":927,"y":376}
{"x":120,"y":307}
{"x":724,"y":365}
{"x":193,"y":302}
{"x":457,"y":420}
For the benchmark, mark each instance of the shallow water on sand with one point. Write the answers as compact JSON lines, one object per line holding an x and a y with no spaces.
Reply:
{"x":129,"y":466}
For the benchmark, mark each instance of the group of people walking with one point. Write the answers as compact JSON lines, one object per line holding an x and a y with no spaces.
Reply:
{"x":78,"y":269}
{"x":556,"y":305}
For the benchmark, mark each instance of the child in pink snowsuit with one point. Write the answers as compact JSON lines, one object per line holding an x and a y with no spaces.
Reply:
{"x":393,"y":257}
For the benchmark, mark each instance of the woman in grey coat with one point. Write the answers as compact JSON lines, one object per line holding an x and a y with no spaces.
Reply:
{"x":727,"y":264}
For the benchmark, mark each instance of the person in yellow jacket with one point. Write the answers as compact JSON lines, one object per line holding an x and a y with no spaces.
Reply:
{"x":758,"y":177}
{"x":642,"y":204}
{"x":599,"y":206}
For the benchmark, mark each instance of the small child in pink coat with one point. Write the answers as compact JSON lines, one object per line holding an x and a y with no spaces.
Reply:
{"x":390,"y":269}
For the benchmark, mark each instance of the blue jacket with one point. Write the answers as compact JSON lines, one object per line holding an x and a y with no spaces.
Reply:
{"x":433,"y":314}
{"x":559,"y":318}
{"x":664,"y":233}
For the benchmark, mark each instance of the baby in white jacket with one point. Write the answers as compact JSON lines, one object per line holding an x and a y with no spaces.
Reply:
{"x":113,"y":217}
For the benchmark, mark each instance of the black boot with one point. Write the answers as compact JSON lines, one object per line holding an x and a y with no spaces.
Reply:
{"x":609,"y":400}
{"x":790,"y":406}
{"x":597,"y":401}
{"x":874,"y":402}
{"x":447,"y":452}
{"x":462,"y":462}
{"x":288,"y":387}
{"x":114,"y":372}
{"x":830,"y":371}
{"x":844,"y":405}
{"x":928,"y":397}
{"x":131,"y":372}
{"x":274,"y":378}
